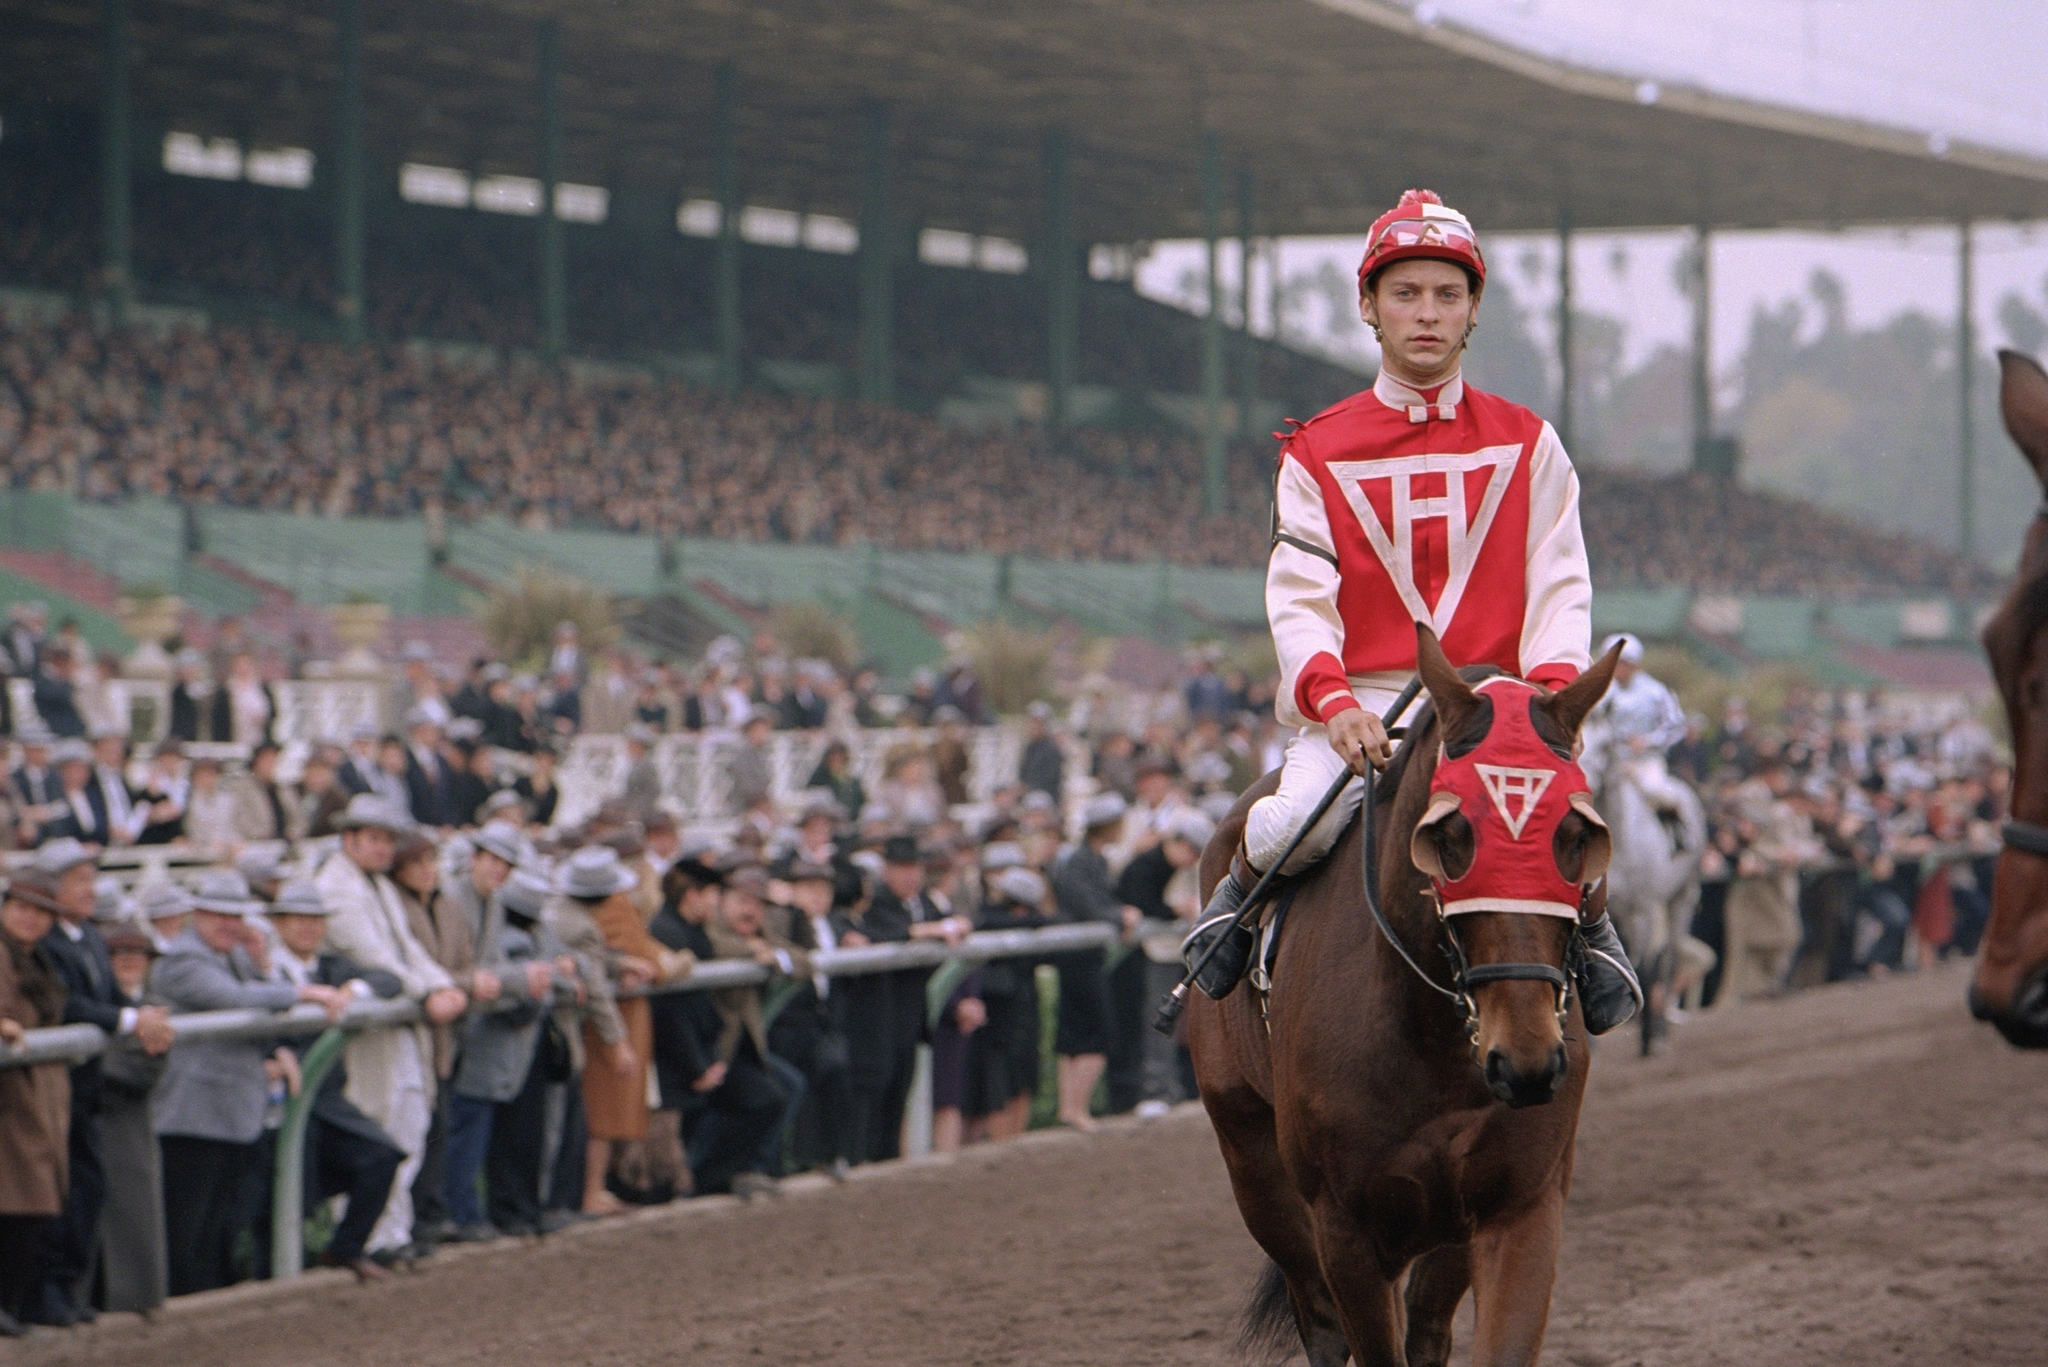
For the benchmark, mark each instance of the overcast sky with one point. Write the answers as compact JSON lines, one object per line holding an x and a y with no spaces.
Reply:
{"x":1968,"y":69}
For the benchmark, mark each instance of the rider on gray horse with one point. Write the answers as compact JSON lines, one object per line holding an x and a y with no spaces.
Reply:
{"x":1419,"y":500}
{"x":1642,"y":716}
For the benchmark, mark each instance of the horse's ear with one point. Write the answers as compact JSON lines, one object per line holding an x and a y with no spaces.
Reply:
{"x":2023,"y":400}
{"x":1453,"y":697}
{"x":1569,"y":705}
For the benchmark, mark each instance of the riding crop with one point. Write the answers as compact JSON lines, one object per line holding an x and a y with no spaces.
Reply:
{"x":1177,"y":1000}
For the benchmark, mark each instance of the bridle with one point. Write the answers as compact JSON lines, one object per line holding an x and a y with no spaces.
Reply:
{"x":1465,"y":975}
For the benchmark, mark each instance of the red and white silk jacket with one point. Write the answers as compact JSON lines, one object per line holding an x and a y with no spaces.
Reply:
{"x":1457,"y":508}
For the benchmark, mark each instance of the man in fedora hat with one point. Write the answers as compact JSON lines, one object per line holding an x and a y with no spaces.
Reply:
{"x":347,"y":1153}
{"x":66,"y":871}
{"x":208,"y":1111}
{"x":391,"y":1072}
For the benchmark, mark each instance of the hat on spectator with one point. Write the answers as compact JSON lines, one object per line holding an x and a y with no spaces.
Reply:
{"x":126,"y":937}
{"x":1631,"y":647}
{"x":526,"y":892}
{"x":367,"y":809}
{"x":593,"y":873}
{"x":1002,"y":854}
{"x":501,"y":839}
{"x":226,"y":892}
{"x":502,"y":801}
{"x":1020,"y":884}
{"x":110,"y":901}
{"x":411,"y":845}
{"x":1039,"y":711}
{"x":262,"y":863}
{"x":413,"y":651}
{"x":819,"y":803}
{"x":1104,"y":809}
{"x":300,"y":897}
{"x":947,"y":712}
{"x":1038,"y":800}
{"x":757,"y":714}
{"x":72,"y":751}
{"x":901,"y":849}
{"x":35,"y":890}
{"x":750,"y":879}
{"x":809,"y":871}
{"x":640,"y":733}
{"x":874,"y":812}
{"x":33,"y":732}
{"x":1191,"y":825}
{"x":495,"y":671}
{"x":161,"y":901}
{"x":59,"y":857}
{"x":106,"y":732}
{"x":465,"y":728}
{"x":630,"y":840}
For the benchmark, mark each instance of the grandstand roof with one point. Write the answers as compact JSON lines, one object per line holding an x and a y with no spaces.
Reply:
{"x":1335,"y":105}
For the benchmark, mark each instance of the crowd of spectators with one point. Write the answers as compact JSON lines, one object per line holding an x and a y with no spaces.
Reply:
{"x":432,"y":864}
{"x":1847,"y":836}
{"x":255,"y":417}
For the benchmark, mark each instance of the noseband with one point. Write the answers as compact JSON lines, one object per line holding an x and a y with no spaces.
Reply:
{"x":1465,"y":975}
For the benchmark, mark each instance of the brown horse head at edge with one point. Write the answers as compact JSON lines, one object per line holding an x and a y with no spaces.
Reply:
{"x":1519,"y":1035}
{"x":2011,"y":985}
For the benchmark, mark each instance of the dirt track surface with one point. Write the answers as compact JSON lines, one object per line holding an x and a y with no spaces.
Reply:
{"x":1856,"y":1175}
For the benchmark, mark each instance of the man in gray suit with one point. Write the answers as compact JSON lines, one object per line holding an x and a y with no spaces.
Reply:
{"x":208,"y":1109}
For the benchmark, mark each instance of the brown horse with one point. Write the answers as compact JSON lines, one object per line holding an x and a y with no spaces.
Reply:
{"x":1387,"y":1153}
{"x":2011,"y":986}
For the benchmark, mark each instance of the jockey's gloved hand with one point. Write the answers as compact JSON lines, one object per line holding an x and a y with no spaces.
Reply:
{"x":1608,"y":991}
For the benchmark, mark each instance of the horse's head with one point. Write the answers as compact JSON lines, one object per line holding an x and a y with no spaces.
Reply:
{"x":2011,"y":986}
{"x":1511,"y":842}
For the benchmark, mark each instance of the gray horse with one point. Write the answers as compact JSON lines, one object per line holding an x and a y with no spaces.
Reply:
{"x":1653,"y":883}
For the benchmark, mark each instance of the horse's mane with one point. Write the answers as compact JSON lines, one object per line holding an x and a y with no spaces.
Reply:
{"x":2026,"y":609}
{"x":1422,"y":721}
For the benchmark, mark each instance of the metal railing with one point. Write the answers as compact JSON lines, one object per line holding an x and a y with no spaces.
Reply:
{"x":73,"y":1044}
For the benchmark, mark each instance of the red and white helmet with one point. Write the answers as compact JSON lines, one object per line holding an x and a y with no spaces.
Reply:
{"x":1420,"y":226}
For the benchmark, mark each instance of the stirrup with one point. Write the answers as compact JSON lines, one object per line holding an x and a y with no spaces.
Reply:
{"x":1226,"y":967}
{"x":1609,"y":994}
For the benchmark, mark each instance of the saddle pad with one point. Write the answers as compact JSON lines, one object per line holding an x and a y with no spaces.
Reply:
{"x":1269,"y":936}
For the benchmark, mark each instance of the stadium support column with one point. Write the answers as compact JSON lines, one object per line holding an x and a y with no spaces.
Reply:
{"x":114,"y":137}
{"x":1703,"y":456}
{"x":1966,"y":348}
{"x":349,"y":304}
{"x":1062,"y":295}
{"x":877,"y":259}
{"x":1564,"y":326}
{"x":1248,"y":347}
{"x":725,"y":279}
{"x":554,"y":285}
{"x":1212,"y":328}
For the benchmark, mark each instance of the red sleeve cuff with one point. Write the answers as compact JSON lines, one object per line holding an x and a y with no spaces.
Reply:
{"x":1553,"y":676}
{"x":1322,"y":677}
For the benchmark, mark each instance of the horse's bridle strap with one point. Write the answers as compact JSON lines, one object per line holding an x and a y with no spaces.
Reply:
{"x":2025,"y":836}
{"x":1477,"y":974}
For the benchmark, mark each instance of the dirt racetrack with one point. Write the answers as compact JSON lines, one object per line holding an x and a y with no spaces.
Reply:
{"x":1852,"y":1176}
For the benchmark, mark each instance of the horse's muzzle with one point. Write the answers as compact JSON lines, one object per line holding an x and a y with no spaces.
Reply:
{"x":1518,"y":1089}
{"x":2025,"y":1025}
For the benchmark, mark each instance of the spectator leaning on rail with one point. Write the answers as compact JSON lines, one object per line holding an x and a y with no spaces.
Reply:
{"x":78,"y":952}
{"x":132,"y":1272}
{"x":1418,"y":500}
{"x":391,"y":1072}
{"x":347,"y":1153}
{"x":209,"y":1108}
{"x":35,"y":1101}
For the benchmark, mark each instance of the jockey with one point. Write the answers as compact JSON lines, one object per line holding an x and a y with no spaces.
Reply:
{"x":1420,"y":499}
{"x":1641,"y":715}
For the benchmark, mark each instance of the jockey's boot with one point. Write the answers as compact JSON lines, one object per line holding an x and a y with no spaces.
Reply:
{"x":1608,"y":991}
{"x":1229,"y":962}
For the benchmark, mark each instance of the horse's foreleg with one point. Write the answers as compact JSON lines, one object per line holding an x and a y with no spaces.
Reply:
{"x":1436,"y":1283}
{"x":1278,"y":1218}
{"x":1514,"y":1267}
{"x":1368,"y":1300}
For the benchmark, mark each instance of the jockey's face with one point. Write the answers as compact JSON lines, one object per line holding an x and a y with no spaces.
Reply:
{"x":1423,"y":310}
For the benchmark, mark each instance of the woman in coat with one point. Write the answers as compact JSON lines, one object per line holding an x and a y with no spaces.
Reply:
{"x":35,"y":1102}
{"x":595,"y":884}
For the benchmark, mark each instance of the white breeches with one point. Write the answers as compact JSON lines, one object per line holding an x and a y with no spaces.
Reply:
{"x":1307,"y":772}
